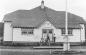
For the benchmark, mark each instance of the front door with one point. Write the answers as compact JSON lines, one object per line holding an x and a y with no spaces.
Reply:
{"x":47,"y":35}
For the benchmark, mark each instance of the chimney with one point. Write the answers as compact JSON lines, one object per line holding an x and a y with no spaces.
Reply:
{"x":42,"y":4}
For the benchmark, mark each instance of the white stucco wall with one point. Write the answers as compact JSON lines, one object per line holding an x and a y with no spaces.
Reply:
{"x":58,"y":35}
{"x":17,"y":36}
{"x":7,"y":31}
{"x":77,"y":36}
{"x":72,"y":38}
{"x":82,"y":32}
{"x":36,"y":37}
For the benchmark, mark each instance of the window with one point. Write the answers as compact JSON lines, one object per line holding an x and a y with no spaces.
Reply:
{"x":50,"y":31}
{"x":47,"y":31}
{"x":44,"y":31}
{"x":69,"y":31}
{"x":26,"y":31}
{"x":63,"y":31}
{"x":30,"y":31}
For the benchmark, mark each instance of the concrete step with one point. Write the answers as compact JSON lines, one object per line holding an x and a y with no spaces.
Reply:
{"x":48,"y":47}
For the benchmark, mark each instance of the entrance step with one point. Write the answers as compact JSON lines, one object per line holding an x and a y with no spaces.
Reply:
{"x":48,"y":47}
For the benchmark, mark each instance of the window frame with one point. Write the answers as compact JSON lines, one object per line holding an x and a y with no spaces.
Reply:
{"x":29,"y":31}
{"x":70,"y":31}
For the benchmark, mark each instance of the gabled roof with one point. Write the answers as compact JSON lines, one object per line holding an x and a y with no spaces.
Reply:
{"x":35,"y":17}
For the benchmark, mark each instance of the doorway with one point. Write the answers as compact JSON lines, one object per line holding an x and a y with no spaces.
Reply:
{"x":47,"y":36}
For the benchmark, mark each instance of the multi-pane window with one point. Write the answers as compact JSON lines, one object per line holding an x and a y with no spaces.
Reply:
{"x":44,"y":31}
{"x":47,"y":31}
{"x":69,"y":31}
{"x":50,"y":31}
{"x":63,"y":31}
{"x":26,"y":31}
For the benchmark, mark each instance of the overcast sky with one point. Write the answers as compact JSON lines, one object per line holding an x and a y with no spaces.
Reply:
{"x":77,"y":7}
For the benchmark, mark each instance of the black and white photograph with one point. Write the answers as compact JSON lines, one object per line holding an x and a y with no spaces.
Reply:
{"x":42,"y":27}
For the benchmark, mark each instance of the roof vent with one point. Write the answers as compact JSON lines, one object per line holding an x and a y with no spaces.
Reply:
{"x":42,"y":4}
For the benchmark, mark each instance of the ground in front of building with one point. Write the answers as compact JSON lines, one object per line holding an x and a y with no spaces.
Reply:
{"x":10,"y":50}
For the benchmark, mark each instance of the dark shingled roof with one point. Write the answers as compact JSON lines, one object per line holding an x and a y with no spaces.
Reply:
{"x":35,"y":17}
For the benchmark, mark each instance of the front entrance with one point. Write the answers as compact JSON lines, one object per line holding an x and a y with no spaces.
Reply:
{"x":47,"y":36}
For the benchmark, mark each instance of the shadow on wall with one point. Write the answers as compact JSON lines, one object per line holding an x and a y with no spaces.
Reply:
{"x":1,"y":31}
{"x":85,"y":32}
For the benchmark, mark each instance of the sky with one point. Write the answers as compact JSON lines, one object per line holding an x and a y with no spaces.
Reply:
{"x":77,"y":7}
